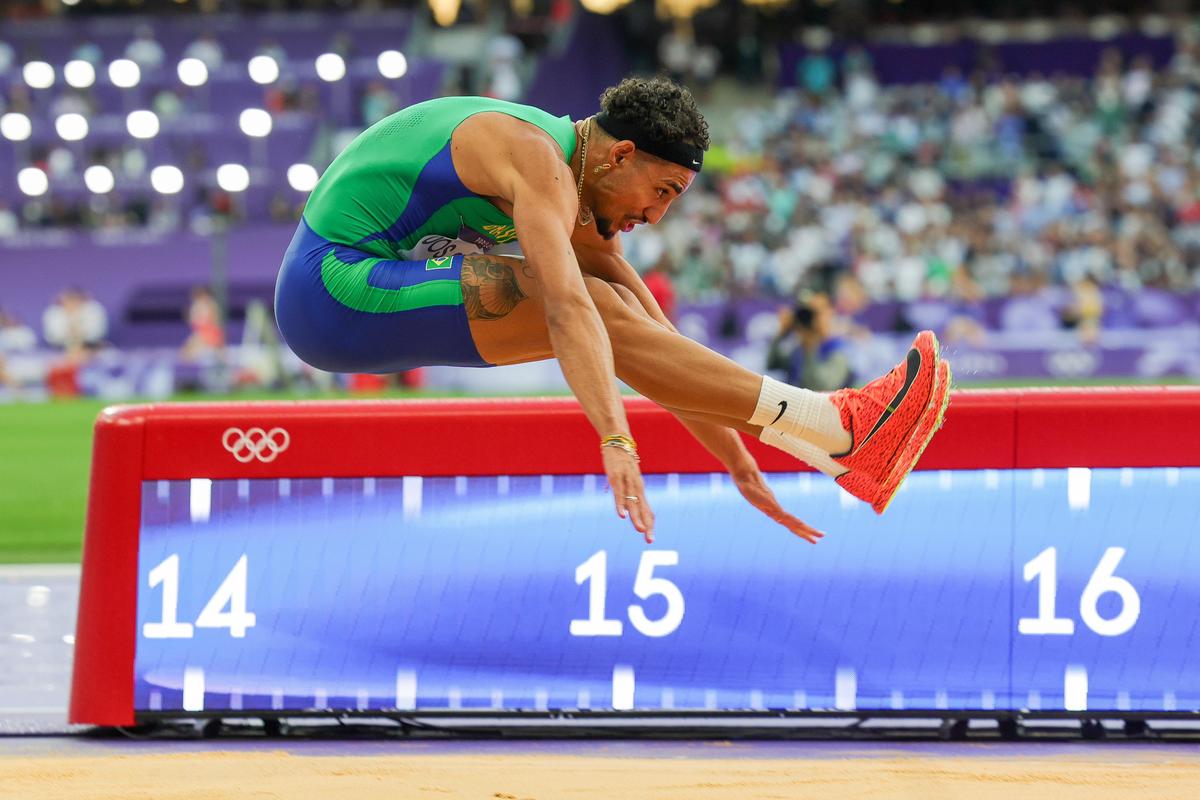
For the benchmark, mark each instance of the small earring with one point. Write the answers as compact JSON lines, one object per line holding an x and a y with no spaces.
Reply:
{"x":601,"y":168}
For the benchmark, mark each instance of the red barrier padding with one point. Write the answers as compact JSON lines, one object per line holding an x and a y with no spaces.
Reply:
{"x":984,"y":429}
{"x":489,"y":437}
{"x":105,"y":628}
{"x":1156,"y":426}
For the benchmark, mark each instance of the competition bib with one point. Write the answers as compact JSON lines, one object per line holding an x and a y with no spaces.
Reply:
{"x":438,"y":246}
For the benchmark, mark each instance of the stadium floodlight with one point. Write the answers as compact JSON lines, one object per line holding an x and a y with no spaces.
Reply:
{"x":193,"y":72}
{"x":33,"y":182}
{"x":816,"y":38}
{"x":926,"y":34}
{"x":15,"y":127}
{"x":1105,"y":26}
{"x":255,"y":122}
{"x":124,"y":73}
{"x":445,"y":12}
{"x":79,"y":73}
{"x":1155,"y":25}
{"x":992,"y":32}
{"x":38,"y":75}
{"x":331,"y":67}
{"x":602,"y":6}
{"x":98,"y":179}
{"x":1037,"y":30}
{"x":166,"y":179}
{"x":263,"y":69}
{"x":392,"y":64}
{"x":302,"y":177}
{"x":233,"y":177}
{"x":142,"y":124}
{"x":71,"y":127}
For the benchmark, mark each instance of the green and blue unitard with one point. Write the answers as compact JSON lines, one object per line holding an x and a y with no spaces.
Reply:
{"x":371,"y":280}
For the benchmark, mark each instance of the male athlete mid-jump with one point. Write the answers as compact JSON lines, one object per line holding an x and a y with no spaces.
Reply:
{"x":392,"y":268}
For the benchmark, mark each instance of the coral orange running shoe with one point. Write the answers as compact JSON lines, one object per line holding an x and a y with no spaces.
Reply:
{"x":861,"y":485}
{"x":879,"y":495}
{"x":930,"y":422}
{"x":883,"y":415}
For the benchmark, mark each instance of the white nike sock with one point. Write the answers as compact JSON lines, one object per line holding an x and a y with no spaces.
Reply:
{"x":807,"y":452}
{"x":802,"y":413}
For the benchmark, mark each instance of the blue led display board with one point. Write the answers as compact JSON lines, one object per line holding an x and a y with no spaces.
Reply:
{"x":1024,"y":589}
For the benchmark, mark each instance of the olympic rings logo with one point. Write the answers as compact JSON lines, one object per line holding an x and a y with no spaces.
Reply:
{"x":255,"y":443}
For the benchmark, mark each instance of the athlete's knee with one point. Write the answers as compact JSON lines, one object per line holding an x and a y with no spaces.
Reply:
{"x":615,"y":299}
{"x":634,"y":304}
{"x":604,"y":294}
{"x":630,"y":299}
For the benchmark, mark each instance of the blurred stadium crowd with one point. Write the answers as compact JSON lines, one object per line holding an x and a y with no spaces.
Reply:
{"x":833,"y":184}
{"x":967,"y":187}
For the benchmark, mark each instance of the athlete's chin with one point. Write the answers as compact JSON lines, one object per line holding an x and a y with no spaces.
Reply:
{"x":606,"y":228}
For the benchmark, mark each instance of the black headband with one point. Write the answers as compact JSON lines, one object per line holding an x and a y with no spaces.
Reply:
{"x":681,"y":153}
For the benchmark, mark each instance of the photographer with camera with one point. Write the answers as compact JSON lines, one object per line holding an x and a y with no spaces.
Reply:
{"x":806,"y":348}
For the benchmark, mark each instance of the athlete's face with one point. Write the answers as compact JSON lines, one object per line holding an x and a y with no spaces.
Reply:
{"x":637,"y":189}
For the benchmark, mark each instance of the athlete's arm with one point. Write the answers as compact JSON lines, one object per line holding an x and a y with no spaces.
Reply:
{"x":526,"y":170}
{"x":727,"y":446}
{"x":604,"y":259}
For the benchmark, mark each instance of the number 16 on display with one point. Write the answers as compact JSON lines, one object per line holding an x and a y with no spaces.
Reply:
{"x":1044,"y":569}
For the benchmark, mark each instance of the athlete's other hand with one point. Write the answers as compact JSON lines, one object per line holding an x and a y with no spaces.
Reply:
{"x":754,"y":488}
{"x":629,"y":493}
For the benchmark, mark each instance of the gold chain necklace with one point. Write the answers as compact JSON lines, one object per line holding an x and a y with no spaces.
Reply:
{"x":587,"y":127}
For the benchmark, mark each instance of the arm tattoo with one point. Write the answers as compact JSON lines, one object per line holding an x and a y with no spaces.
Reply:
{"x":489,"y":286}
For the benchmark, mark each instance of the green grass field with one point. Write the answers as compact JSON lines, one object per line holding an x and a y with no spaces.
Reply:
{"x":45,"y":450}
{"x":45,"y":453}
{"x":43,"y":479}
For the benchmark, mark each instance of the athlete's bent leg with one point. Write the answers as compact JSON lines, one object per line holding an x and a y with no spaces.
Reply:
{"x":794,"y":446}
{"x":631,"y":300}
{"x":508,"y":325}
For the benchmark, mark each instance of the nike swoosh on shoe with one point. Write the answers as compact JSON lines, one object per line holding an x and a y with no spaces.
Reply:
{"x":912,"y":367}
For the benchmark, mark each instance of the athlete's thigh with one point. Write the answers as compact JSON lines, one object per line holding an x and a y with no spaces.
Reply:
{"x":507,"y":316}
{"x":504,"y":309}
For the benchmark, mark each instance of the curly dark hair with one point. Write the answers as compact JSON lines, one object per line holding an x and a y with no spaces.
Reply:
{"x":666,"y":111}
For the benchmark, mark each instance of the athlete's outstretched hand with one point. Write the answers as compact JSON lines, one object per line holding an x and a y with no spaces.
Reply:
{"x":754,"y":488}
{"x":629,"y":493}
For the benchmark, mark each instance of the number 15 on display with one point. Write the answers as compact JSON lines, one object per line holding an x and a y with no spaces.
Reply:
{"x":594,"y":572}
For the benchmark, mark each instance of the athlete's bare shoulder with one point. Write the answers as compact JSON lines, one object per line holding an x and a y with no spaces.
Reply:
{"x":492,"y":150}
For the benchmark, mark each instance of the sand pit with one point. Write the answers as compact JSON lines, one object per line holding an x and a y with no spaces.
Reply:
{"x":1105,"y":772}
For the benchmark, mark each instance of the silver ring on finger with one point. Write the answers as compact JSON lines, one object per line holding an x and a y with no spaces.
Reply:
{"x":633,"y":498}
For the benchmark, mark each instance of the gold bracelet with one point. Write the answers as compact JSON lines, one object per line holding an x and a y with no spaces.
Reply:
{"x":621,"y":442}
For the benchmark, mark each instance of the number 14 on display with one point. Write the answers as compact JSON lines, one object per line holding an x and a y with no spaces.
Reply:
{"x":231,"y":593}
